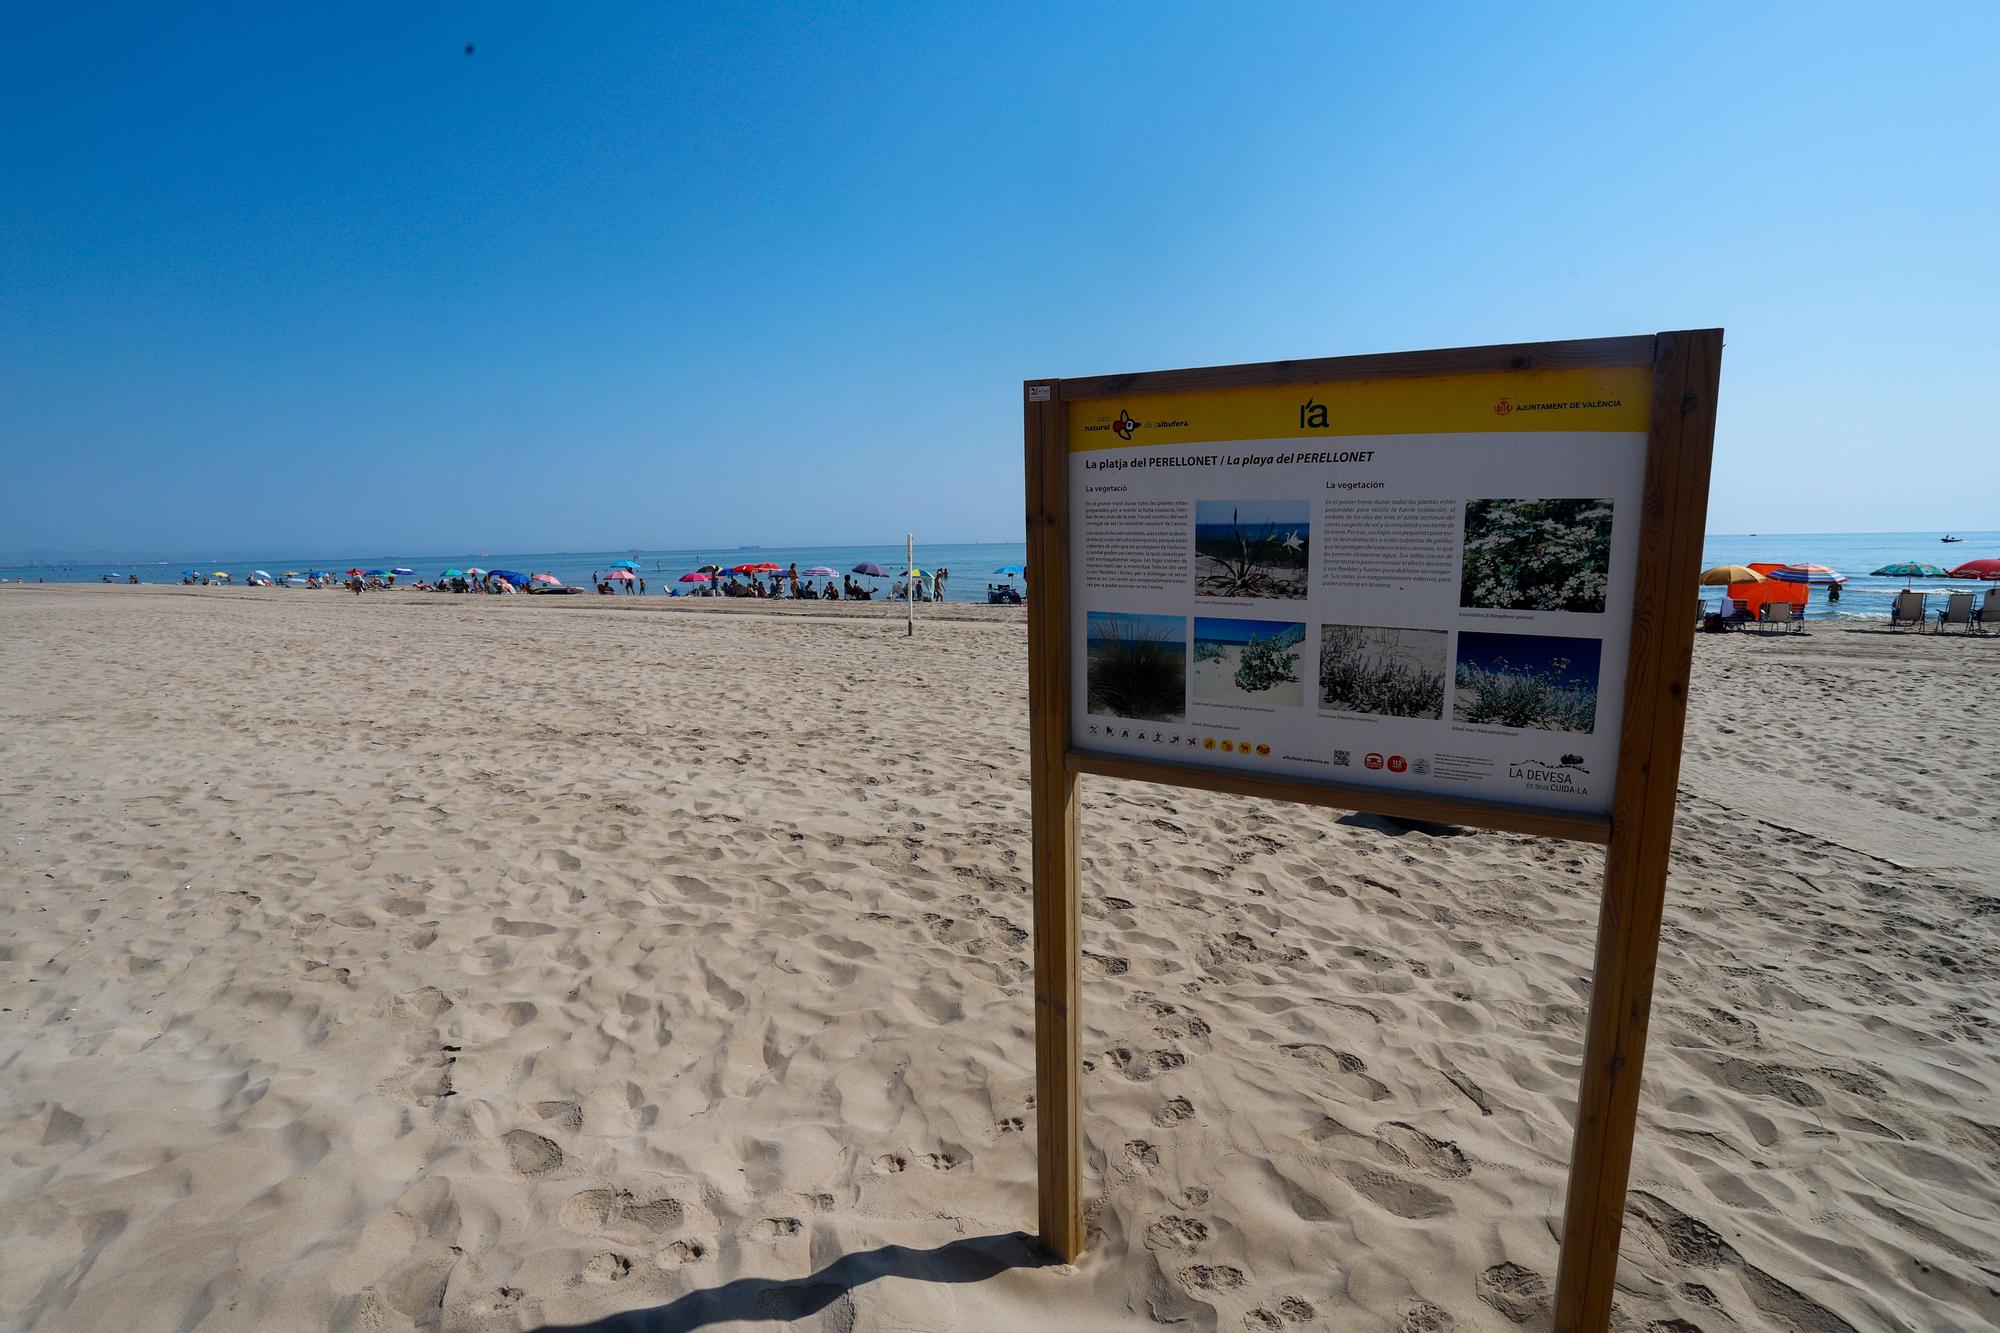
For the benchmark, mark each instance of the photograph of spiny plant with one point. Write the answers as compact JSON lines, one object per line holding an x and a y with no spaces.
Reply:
{"x":1248,"y":661}
{"x":1536,"y":555}
{"x":1384,"y":671}
{"x":1251,"y":548}
{"x":1136,"y":666}
{"x":1538,"y":682}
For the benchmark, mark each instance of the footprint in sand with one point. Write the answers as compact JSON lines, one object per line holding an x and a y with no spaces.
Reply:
{"x":1404,"y":1198}
{"x":530,"y":1153}
{"x":776,"y":1228}
{"x":889,"y":1163}
{"x":1519,"y":1293}
{"x":1139,"y":1153}
{"x":1405,"y":1145}
{"x":1177,"y":1233}
{"x":1177,"y":1111}
{"x":1204,"y":1277}
{"x":607,"y":1267}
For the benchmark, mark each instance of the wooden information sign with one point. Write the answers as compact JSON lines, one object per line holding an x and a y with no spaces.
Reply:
{"x":1450,"y":585}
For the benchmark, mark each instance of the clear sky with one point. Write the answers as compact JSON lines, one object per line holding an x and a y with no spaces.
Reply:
{"x":305,"y":277}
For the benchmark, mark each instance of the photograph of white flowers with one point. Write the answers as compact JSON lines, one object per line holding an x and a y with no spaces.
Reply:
{"x":1536,"y":555}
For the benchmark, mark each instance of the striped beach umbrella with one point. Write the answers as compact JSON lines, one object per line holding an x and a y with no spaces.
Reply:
{"x":1818,"y":575}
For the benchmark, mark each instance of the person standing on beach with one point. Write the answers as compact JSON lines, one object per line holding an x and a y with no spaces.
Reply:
{"x":793,"y":575}
{"x":937,"y":584}
{"x":642,"y":587}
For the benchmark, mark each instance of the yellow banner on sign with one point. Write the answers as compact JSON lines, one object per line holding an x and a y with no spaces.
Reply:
{"x":1615,"y":398}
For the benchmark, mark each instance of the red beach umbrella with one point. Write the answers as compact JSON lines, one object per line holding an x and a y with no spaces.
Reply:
{"x":621,"y":575}
{"x":694,"y":578}
{"x":546,"y":577}
{"x":354,"y":571}
{"x":1977,"y":569}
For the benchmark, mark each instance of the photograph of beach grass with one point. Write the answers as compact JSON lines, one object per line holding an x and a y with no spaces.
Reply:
{"x":1248,"y":661}
{"x":1540,"y":682}
{"x":1385,"y":671}
{"x":1251,"y":548}
{"x":1536,"y":555}
{"x":1137,"y":666}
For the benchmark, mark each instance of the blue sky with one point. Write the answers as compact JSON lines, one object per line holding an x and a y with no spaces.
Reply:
{"x":308,"y":277}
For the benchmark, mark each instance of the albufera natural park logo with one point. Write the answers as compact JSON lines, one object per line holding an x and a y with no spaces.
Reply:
{"x":1124,"y":425}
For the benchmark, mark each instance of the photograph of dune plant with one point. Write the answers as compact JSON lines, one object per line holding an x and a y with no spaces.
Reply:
{"x":1385,"y":671}
{"x":1251,"y":548}
{"x":1539,"y":682}
{"x":1536,"y":555}
{"x":1137,"y":666}
{"x":1248,"y":661}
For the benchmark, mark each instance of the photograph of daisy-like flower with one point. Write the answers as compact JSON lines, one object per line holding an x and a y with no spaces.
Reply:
{"x":1536,"y":555}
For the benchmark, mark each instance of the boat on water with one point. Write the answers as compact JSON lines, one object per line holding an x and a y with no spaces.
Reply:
{"x":1949,"y":538}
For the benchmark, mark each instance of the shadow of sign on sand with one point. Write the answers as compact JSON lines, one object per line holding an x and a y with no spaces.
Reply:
{"x":785,"y":1300}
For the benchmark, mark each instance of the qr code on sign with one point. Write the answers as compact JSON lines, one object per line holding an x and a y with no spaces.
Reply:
{"x":1420,"y":766}
{"x":1340,"y":759}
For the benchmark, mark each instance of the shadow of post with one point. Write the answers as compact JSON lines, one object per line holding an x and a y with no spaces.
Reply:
{"x":782,"y":1300}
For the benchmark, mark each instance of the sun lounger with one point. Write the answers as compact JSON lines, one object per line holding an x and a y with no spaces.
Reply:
{"x":1957,"y":611}
{"x":1989,"y":611}
{"x":1907,"y":609}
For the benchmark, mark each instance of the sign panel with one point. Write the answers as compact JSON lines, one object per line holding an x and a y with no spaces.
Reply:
{"x":1422,"y":584}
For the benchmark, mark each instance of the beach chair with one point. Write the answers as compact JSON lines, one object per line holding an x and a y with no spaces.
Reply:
{"x":1957,"y":611}
{"x":1907,"y":609}
{"x":1779,"y":615}
{"x":1989,"y":611}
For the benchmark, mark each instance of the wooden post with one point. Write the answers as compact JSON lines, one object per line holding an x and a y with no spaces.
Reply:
{"x":1686,"y":367}
{"x":910,"y":581}
{"x":1053,"y":797}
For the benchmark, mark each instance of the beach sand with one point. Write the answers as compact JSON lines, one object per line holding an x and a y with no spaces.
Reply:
{"x":424,"y":962}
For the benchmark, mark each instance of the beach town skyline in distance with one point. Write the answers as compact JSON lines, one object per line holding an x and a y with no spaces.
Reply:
{"x":1064,"y":668}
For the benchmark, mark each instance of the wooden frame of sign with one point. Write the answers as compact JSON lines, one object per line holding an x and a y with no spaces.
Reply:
{"x":1684,"y":371}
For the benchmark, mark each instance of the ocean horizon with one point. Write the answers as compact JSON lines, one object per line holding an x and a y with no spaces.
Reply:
{"x":974,"y":564}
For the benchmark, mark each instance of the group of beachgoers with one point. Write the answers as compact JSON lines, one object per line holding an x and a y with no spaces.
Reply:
{"x":790,"y":585}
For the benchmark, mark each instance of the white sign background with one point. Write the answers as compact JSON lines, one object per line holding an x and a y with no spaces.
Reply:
{"x":1564,"y":770}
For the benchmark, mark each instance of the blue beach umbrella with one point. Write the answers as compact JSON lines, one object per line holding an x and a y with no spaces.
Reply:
{"x":378,"y":573}
{"x":401,"y":570}
{"x":624,"y":564}
{"x":871,"y":569}
{"x":519,"y":580}
{"x":1910,"y":569}
{"x":1011,"y":570}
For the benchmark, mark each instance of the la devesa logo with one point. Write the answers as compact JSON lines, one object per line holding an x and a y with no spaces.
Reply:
{"x":1568,"y":778}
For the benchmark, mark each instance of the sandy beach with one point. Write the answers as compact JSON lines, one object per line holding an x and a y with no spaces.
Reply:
{"x":409,"y":961}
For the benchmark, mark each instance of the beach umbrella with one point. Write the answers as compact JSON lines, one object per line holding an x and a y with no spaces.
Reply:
{"x":1909,"y":569}
{"x":452,"y":574}
{"x":260,"y":573}
{"x":378,"y":573}
{"x":1805,"y":573}
{"x":190,"y":573}
{"x":1723,"y":575}
{"x":353,"y":571}
{"x":623,"y":575}
{"x":624,"y":564}
{"x":220,"y":574}
{"x":696,"y":577}
{"x":1977,"y":569}
{"x":871,"y":569}
{"x":291,"y":573}
{"x":545,"y":577}
{"x":819,"y":572}
{"x":519,"y":580}
{"x":922,"y":574}
{"x":1011,"y":570}
{"x":400,"y":569}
